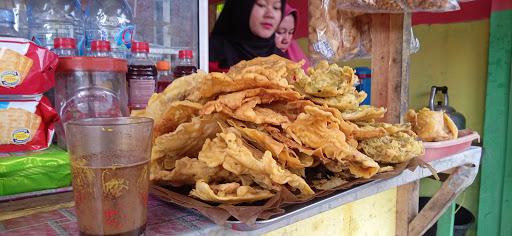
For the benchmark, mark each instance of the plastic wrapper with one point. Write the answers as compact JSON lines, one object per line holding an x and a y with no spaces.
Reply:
{"x":324,"y":33}
{"x":26,"y":123}
{"x":431,"y":5}
{"x":34,"y":171}
{"x":25,"y":68}
{"x":343,"y":35}
{"x":398,"y":6}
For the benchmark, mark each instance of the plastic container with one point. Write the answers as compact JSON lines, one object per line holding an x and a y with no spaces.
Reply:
{"x":164,"y":77}
{"x":438,"y":150}
{"x":141,"y":76}
{"x":185,"y":64}
{"x":52,"y":19}
{"x":64,"y":47}
{"x":101,"y":48}
{"x":7,"y":23}
{"x":110,"y":20}
{"x":89,"y":87}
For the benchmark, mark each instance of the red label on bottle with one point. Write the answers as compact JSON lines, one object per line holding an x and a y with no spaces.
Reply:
{"x":140,"y":92}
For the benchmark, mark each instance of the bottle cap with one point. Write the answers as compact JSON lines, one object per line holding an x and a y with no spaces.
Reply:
{"x":100,"y":45}
{"x":163,"y":65}
{"x":185,"y":54}
{"x":140,"y":47}
{"x":6,"y":15}
{"x":65,"y":43}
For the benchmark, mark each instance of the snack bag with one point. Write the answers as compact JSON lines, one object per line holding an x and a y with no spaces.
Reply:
{"x":432,"y":5}
{"x":398,"y":6}
{"x":25,"y":68}
{"x":340,"y":35}
{"x":26,"y":123}
{"x":324,"y":31}
{"x":372,"y":6}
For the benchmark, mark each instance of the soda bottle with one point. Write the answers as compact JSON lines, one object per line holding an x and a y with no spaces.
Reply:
{"x":100,"y":48}
{"x":164,"y":77}
{"x":185,"y":64}
{"x":7,"y":23}
{"x":141,"y":76}
{"x":110,"y":20}
{"x":64,"y":47}
{"x":52,"y":19}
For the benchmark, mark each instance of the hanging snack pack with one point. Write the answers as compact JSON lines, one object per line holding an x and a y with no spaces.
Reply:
{"x":336,"y":34}
{"x":398,"y":6}
{"x":27,"y":123}
{"x":25,"y":68}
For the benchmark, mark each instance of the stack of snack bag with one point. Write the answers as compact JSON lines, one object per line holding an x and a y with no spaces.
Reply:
{"x":341,"y":29}
{"x":27,"y":120}
{"x":267,"y":126}
{"x":26,"y":117}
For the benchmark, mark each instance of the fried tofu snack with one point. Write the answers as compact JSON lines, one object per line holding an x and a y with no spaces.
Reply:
{"x":432,"y":126}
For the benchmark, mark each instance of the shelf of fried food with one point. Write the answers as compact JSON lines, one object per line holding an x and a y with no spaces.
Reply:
{"x":397,"y":6}
{"x":244,"y":135}
{"x":336,"y":34}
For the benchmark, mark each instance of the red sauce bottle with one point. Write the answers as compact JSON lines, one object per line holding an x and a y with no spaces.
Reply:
{"x":185,"y":64}
{"x":164,"y":75}
{"x":141,"y":76}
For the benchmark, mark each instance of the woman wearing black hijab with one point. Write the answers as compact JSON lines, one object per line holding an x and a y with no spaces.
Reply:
{"x":245,"y":30}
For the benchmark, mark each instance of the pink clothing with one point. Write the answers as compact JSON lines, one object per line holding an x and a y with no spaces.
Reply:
{"x":294,"y":52}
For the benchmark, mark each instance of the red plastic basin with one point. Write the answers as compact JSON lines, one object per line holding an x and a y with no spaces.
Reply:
{"x":438,"y":150}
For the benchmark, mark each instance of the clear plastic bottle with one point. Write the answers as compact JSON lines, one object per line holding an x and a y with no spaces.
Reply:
{"x":52,"y":19}
{"x":64,"y":47}
{"x":164,"y":75}
{"x":110,"y":20}
{"x":100,"y":48}
{"x":185,"y":64}
{"x":141,"y":76}
{"x":7,"y":23}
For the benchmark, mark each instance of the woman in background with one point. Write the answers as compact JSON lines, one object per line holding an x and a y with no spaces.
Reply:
{"x":245,"y":30}
{"x":284,"y":37}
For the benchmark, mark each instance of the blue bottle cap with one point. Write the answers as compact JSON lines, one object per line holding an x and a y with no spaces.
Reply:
{"x":6,"y":15}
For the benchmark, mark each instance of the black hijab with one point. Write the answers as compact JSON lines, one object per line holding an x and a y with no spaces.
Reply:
{"x":232,"y":41}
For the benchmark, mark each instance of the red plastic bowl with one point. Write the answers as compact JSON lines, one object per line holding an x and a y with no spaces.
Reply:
{"x":438,"y":150}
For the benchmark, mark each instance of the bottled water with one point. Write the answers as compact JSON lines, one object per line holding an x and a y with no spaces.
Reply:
{"x":110,"y":20}
{"x":7,"y":23}
{"x":52,"y":19}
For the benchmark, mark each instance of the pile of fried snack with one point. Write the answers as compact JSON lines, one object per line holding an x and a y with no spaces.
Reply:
{"x":240,"y":136}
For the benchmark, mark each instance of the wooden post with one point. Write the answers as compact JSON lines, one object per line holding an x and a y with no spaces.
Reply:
{"x":391,"y":38}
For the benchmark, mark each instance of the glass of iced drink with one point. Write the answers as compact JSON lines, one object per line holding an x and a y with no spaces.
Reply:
{"x":110,"y":168}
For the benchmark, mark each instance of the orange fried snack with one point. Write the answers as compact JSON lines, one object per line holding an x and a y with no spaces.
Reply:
{"x":231,"y":193}
{"x":320,"y":130}
{"x":229,"y":151}
{"x":432,"y":126}
{"x":178,"y":112}
{"x":271,"y":72}
{"x":186,"y":140}
{"x":242,"y":105}
{"x":395,"y":148}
